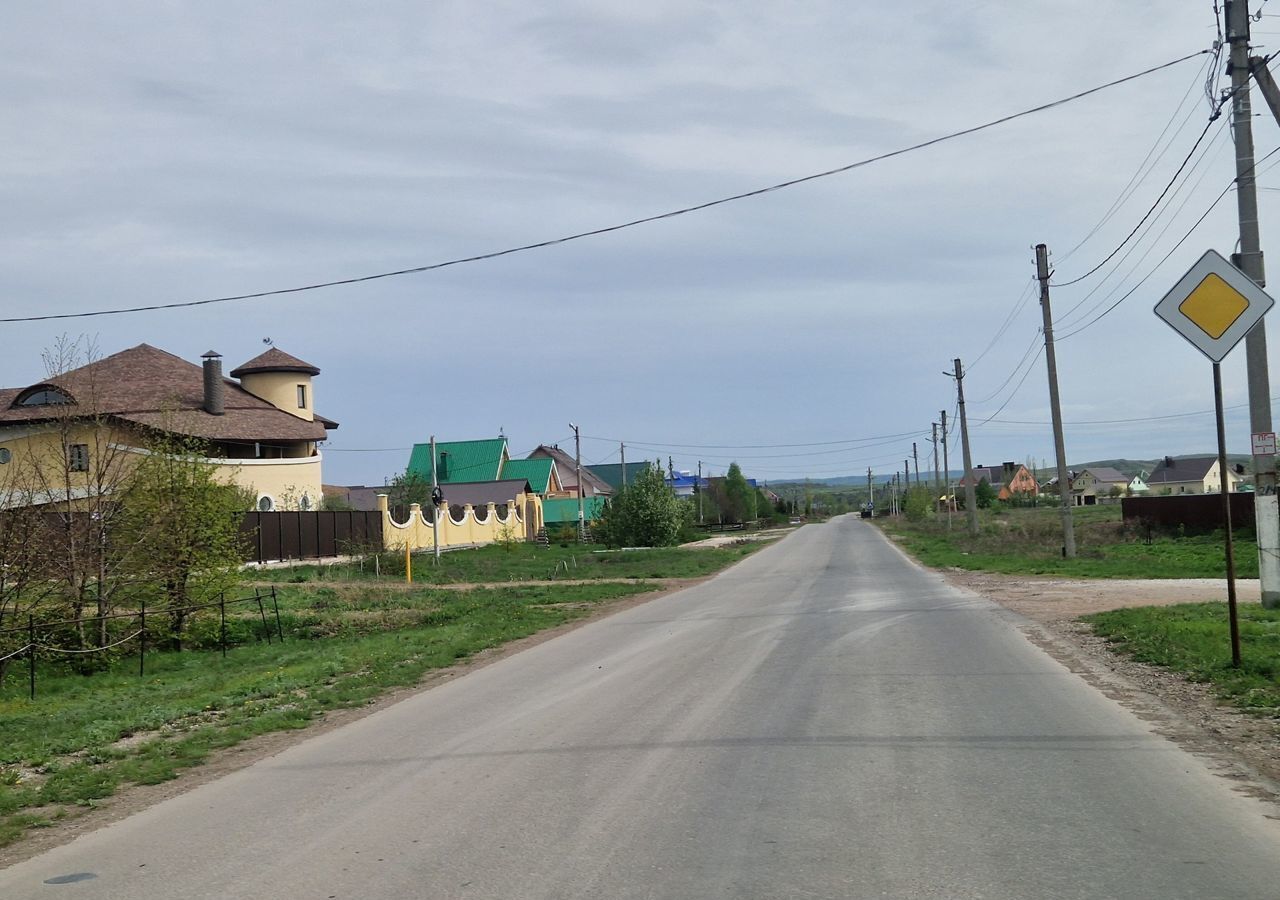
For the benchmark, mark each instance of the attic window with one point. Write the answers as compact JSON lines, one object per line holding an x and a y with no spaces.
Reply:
{"x":43,"y":396}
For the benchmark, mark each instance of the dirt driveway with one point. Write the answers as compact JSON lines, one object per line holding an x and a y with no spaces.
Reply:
{"x":1241,"y":747}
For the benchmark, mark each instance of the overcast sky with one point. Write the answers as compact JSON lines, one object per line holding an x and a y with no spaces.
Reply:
{"x":176,"y":151}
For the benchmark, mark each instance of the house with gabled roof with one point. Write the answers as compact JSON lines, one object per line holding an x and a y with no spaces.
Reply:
{"x":1098,"y":481}
{"x":567,"y":468}
{"x":487,"y":459}
{"x":258,"y":427}
{"x":1191,"y":475}
{"x":1009,"y":480}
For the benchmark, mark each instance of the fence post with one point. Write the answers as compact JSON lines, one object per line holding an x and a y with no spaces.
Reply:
{"x":263,"y":613}
{"x":276,"y":603}
{"x":31,"y":652}
{"x":222,"y":609}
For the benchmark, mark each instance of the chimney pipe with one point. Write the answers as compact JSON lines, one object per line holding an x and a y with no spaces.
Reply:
{"x":213,"y":388}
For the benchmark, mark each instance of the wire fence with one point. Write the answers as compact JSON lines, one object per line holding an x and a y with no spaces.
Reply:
{"x":39,"y":643}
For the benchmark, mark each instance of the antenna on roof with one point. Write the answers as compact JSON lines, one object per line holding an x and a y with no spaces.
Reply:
{"x":267,"y":341}
{"x":500,"y":432}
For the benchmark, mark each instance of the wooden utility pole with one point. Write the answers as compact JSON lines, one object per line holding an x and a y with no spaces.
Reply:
{"x":622,"y":451}
{"x":915,"y":459}
{"x":970,"y":495}
{"x":1055,"y":408}
{"x":1249,"y":260}
{"x":946,"y":469}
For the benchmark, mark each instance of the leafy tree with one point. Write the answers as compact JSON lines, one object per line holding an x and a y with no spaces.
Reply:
{"x":738,"y":495}
{"x":409,"y":487}
{"x":643,"y":514}
{"x":918,"y":504}
{"x":179,"y":528}
{"x":984,"y":494}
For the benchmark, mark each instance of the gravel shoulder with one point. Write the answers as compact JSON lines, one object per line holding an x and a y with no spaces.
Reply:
{"x":1241,"y":747}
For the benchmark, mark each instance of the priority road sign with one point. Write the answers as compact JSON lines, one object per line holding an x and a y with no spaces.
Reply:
{"x":1214,"y":305}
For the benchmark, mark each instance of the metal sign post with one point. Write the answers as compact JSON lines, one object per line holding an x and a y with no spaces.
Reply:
{"x":1214,"y":306}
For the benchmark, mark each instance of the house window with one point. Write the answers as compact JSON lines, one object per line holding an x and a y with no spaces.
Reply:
{"x":304,"y":503}
{"x":266,"y":504}
{"x":302,"y":396}
{"x":78,"y":457}
{"x":43,"y":397}
{"x":5,"y":455}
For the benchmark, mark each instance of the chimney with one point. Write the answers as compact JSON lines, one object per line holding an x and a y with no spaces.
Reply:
{"x":213,"y":399}
{"x":1168,"y":462}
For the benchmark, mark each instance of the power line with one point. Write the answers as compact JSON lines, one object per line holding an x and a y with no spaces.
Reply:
{"x":612,"y":228}
{"x":1143,"y":171}
{"x":1194,"y":147}
{"x":668,"y":445}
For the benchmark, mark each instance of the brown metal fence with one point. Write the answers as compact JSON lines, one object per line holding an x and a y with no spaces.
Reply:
{"x":310,"y":535}
{"x":1193,"y":512}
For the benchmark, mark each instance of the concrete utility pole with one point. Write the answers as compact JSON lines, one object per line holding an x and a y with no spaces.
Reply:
{"x":915,"y":459}
{"x":1059,"y":447}
{"x":622,"y":451}
{"x":699,"y":486}
{"x":577,"y":474}
{"x":936,"y":473}
{"x":871,"y":496}
{"x":970,"y":495}
{"x":1249,"y":260}
{"x":435,"y":507}
{"x":946,"y":469}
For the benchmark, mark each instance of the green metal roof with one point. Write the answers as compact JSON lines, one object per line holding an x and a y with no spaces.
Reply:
{"x":612,"y":472}
{"x":565,"y":512}
{"x":537,"y":471}
{"x":461,"y":460}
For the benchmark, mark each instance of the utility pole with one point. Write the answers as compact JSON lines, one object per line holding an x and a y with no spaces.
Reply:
{"x":946,"y":468}
{"x":915,"y":458}
{"x":699,"y":486}
{"x":622,"y":450}
{"x":871,"y":495}
{"x":577,"y":474}
{"x":936,"y":474}
{"x":1055,"y":409}
{"x":435,"y":507}
{"x":1249,"y":260}
{"x":970,"y":495}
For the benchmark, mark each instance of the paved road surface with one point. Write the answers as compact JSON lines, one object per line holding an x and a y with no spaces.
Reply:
{"x":825,"y":720}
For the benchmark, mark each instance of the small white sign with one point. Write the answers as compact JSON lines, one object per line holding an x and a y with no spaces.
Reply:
{"x":1264,"y":444}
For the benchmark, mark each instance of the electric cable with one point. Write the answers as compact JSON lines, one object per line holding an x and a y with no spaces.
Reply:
{"x":186,"y":304}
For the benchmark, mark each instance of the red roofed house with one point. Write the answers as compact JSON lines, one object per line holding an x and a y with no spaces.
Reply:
{"x":259,"y":426}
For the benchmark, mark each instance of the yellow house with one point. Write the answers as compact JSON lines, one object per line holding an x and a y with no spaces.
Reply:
{"x":76,"y":435}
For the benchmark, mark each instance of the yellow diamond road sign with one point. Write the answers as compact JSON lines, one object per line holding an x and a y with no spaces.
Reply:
{"x":1214,"y":305}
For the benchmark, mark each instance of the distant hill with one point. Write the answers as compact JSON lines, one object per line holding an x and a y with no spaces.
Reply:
{"x":1129,"y":467}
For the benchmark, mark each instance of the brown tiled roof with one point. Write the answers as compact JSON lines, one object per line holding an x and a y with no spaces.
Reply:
{"x":274,"y":360}
{"x":565,"y":465}
{"x":148,"y":386}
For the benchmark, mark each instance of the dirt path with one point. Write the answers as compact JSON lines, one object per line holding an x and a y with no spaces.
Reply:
{"x":1243,"y":748}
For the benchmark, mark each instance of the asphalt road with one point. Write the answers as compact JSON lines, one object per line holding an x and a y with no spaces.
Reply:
{"x":824,"y":720}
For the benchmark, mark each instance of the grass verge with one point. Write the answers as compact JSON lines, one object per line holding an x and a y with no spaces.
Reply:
{"x":1029,"y":542}
{"x":85,"y":736}
{"x":1193,"y":639}
{"x":522,"y":562}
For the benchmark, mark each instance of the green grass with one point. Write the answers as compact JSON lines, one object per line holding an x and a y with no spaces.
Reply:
{"x":1193,"y":639}
{"x":524,"y":562}
{"x":1029,"y":542}
{"x":84,"y":736}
